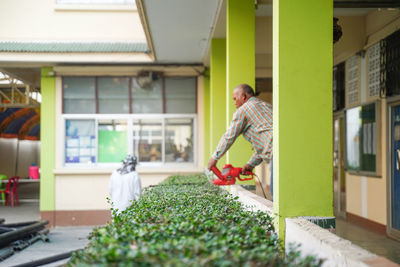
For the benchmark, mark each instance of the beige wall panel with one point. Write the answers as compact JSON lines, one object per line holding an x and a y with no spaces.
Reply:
{"x":353,"y":38}
{"x":353,"y":195}
{"x":376,"y":201}
{"x":47,"y":23}
{"x":263,"y":173}
{"x":266,"y":96}
{"x":89,"y":192}
{"x":263,"y":61}
{"x":263,"y":35}
{"x":152,"y":179}
{"x":200,"y":122}
{"x":263,"y":46}
{"x":82,"y":192}
{"x":264,"y":72}
{"x":376,"y":187}
{"x":378,"y":19}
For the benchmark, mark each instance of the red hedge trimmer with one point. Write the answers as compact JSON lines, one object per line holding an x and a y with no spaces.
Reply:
{"x":229,"y":174}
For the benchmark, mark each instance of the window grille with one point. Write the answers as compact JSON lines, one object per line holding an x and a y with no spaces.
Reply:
{"x":338,"y":87}
{"x":390,"y":65}
{"x":352,"y":82}
{"x":374,"y":70}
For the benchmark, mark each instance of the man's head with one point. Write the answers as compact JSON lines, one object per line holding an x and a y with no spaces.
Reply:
{"x":241,"y":94}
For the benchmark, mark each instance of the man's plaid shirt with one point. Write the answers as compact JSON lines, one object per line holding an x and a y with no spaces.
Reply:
{"x":254,"y":120}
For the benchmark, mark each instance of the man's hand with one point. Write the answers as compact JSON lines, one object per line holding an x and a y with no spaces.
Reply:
{"x":211,"y":163}
{"x":247,"y":167}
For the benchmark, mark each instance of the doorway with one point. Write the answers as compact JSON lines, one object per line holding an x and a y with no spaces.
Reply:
{"x":339,"y":178}
{"x":393,"y":225}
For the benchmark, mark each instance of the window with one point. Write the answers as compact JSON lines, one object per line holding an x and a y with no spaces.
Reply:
{"x":361,"y":136}
{"x":180,"y":95}
{"x":80,"y":146}
{"x":121,"y":95}
{"x":147,"y":100}
{"x":107,"y":118}
{"x":338,"y":87}
{"x":179,"y":140}
{"x":148,"y":139}
{"x":79,"y":95}
{"x":112,"y":140}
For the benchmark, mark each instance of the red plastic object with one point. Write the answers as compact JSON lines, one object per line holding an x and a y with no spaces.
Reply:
{"x":229,"y":174}
{"x":11,"y":191}
{"x":34,"y":172}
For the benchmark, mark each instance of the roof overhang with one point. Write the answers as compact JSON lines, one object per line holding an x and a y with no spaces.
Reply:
{"x":181,"y":30}
{"x":178,"y":30}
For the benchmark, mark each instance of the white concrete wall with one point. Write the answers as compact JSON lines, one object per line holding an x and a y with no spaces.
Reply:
{"x":45,"y":20}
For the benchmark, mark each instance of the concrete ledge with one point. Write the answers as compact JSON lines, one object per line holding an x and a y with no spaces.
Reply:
{"x":313,"y":239}
{"x":250,"y":200}
{"x":317,"y":241}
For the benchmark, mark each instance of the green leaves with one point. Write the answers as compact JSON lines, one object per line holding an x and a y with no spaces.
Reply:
{"x":186,"y":221}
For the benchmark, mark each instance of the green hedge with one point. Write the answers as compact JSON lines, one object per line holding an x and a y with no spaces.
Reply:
{"x":186,"y":221}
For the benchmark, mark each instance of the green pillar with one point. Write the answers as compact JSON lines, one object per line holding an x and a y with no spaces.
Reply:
{"x":217,"y":94}
{"x":47,"y":138}
{"x":302,"y":97}
{"x":206,"y":113}
{"x":240,"y":65}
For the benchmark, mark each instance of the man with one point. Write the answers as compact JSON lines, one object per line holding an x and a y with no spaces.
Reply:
{"x":253,"y":119}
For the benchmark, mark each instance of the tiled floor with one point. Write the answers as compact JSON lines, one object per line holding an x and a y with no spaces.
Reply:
{"x":369,"y":240}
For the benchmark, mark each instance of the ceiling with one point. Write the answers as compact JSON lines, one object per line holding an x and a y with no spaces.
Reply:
{"x":180,"y":30}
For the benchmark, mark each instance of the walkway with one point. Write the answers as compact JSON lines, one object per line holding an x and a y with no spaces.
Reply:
{"x":62,"y":239}
{"x":369,"y":240}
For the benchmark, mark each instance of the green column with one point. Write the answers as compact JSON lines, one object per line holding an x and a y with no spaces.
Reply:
{"x":240,"y":65}
{"x":206,"y":114}
{"x":47,"y":138}
{"x":217,"y":94}
{"x":302,"y":97}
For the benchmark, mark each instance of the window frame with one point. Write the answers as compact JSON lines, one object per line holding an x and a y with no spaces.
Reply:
{"x":129,"y":119}
{"x":130,"y":78}
{"x":378,"y":148}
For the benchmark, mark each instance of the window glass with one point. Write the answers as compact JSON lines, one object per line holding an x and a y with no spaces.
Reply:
{"x":147,"y":140}
{"x":79,"y":95}
{"x":147,"y":100}
{"x":179,"y":140}
{"x":180,"y":95}
{"x":361,"y":138}
{"x":112,"y":143}
{"x":113,"y":94}
{"x":80,"y":144}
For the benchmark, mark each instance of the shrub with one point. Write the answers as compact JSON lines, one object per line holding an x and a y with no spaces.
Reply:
{"x":186,"y":221}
